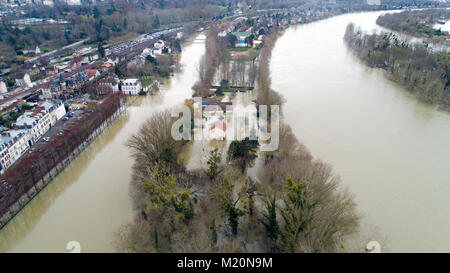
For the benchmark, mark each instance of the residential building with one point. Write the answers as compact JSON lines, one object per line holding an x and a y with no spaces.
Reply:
{"x":146,"y":52}
{"x":46,"y":91}
{"x":20,"y":143}
{"x":257,"y":43}
{"x":5,"y":157}
{"x":56,"y":109}
{"x":30,"y":68}
{"x":218,"y":130}
{"x":241,"y":38}
{"x":213,"y":111}
{"x":159,"y":48}
{"x":158,"y":45}
{"x":32,"y":50}
{"x":51,"y":70}
{"x":37,"y":121}
{"x":112,"y":82}
{"x":23,"y":79}
{"x":131,"y":86}
{"x":74,"y":63}
{"x":113,"y":60}
{"x":92,"y":73}
{"x":13,"y":144}
{"x":3,"y":88}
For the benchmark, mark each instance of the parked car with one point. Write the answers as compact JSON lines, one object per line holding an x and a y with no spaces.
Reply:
{"x":46,"y":139}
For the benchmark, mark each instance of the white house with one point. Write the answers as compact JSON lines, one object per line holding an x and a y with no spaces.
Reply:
{"x":13,"y":144}
{"x":23,"y":79}
{"x":222,"y":34}
{"x":56,"y":109}
{"x":146,"y":52}
{"x":92,"y":73}
{"x":218,"y":130}
{"x":158,"y":48}
{"x":159,"y":44}
{"x":20,"y":143}
{"x":5,"y":157}
{"x":113,"y":60}
{"x":37,"y":121}
{"x":131,"y":86}
{"x":46,"y":91}
{"x":213,"y":111}
{"x":3,"y":88}
{"x":31,"y":50}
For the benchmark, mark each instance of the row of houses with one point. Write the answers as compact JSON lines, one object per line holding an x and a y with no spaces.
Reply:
{"x":27,"y":130}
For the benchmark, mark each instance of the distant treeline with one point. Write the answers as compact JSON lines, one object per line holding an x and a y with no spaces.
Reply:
{"x":415,"y":22}
{"x":424,"y":72}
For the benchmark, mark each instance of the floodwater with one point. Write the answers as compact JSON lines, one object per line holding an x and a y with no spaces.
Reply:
{"x":390,"y":150}
{"x":89,"y":201}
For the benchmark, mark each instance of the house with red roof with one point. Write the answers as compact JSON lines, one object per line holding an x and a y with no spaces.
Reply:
{"x":92,"y":73}
{"x":218,"y":130}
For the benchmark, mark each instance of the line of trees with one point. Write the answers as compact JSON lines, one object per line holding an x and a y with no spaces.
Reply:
{"x":423,"y":71}
{"x":418,"y":23}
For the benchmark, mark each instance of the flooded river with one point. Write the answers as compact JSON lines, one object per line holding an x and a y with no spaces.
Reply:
{"x":392,"y":151}
{"x":89,"y":201}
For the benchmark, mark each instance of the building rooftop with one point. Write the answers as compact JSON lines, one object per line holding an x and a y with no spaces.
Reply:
{"x":133,"y":81}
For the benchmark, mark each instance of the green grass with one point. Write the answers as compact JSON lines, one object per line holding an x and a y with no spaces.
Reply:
{"x":47,"y":48}
{"x":238,"y":49}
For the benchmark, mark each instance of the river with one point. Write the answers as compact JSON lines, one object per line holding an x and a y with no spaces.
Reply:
{"x":89,"y":201}
{"x":390,"y":150}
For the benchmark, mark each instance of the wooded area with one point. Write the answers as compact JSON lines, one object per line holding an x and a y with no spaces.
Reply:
{"x":423,"y":71}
